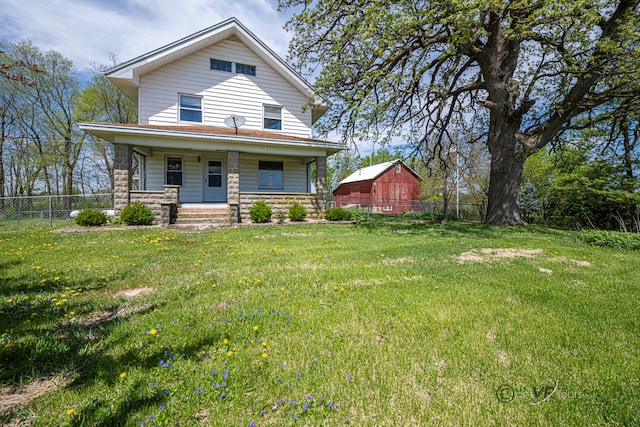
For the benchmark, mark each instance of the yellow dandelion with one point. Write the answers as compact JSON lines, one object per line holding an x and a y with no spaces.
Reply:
{"x":122,"y":375}
{"x":264,"y":355}
{"x":153,"y":332}
{"x":71,"y":411}
{"x":264,"y":343}
{"x":230,"y":353}
{"x":225,"y":341}
{"x":255,"y":328}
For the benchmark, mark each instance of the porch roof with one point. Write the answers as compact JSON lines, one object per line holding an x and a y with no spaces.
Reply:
{"x":202,"y":137}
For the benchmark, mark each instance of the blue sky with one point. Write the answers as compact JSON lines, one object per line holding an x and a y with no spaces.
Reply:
{"x":86,"y":31}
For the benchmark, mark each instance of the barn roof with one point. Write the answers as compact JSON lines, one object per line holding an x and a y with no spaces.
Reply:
{"x":372,"y":172}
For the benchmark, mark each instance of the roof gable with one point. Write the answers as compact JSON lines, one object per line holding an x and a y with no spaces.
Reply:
{"x":373,"y":172}
{"x":126,"y":76}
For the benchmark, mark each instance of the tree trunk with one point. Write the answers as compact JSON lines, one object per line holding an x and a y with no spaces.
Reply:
{"x":507,"y":163}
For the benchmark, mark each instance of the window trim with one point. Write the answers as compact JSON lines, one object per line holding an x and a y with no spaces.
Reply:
{"x":265,"y":117}
{"x":262,"y":168}
{"x":180,"y":108}
{"x":166,"y":169}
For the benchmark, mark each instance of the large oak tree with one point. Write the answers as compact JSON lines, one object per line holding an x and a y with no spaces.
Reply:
{"x":528,"y":68}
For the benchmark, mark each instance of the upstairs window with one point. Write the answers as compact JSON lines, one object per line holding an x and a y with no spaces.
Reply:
{"x":219,"y":65}
{"x":272,"y":117}
{"x":249,"y":70}
{"x":271,"y":175}
{"x":190,"y":108}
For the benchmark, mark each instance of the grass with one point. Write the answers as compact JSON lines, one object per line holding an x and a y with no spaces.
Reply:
{"x":318,"y":325}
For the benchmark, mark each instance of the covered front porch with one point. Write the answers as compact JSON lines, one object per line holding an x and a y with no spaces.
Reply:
{"x":182,"y":187}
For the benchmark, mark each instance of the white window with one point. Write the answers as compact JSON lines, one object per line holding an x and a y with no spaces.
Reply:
{"x":271,"y":175}
{"x":387,"y":208}
{"x":398,"y":168}
{"x":174,"y":171}
{"x":190,"y":108}
{"x":272,"y":117}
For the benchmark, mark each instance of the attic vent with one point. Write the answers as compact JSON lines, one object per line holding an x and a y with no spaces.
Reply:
{"x":233,"y":39}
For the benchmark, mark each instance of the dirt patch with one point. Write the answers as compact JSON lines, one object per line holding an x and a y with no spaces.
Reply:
{"x":496,"y":254}
{"x":503,"y":358}
{"x":545,"y":270}
{"x":100,"y":317}
{"x":221,"y":304}
{"x":395,"y":261}
{"x":133,"y":293}
{"x":12,"y":398}
{"x":580,"y":263}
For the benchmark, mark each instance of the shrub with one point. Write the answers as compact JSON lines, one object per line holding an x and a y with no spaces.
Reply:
{"x":137,"y":214}
{"x":297,"y":212}
{"x":260,"y":212}
{"x":91,"y":218}
{"x":338,"y":214}
{"x":611,"y":239}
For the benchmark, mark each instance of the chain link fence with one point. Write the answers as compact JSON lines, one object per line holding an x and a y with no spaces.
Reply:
{"x":49,"y":210}
{"x":412,"y":210}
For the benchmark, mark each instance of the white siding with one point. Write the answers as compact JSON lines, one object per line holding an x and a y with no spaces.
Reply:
{"x":223,"y":93}
{"x":295,"y":173}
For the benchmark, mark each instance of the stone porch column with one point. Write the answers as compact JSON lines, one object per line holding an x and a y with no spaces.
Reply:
{"x":321,"y":183}
{"x":121,"y":176}
{"x":233,"y":185}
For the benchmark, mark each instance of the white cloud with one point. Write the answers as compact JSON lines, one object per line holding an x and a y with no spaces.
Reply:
{"x":87,"y":31}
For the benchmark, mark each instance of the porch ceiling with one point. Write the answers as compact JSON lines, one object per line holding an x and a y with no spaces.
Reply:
{"x":211,"y":138}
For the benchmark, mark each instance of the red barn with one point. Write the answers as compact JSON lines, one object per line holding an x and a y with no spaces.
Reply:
{"x":386,"y":187}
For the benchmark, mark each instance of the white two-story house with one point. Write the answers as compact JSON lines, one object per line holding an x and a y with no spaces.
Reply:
{"x":223,"y":122}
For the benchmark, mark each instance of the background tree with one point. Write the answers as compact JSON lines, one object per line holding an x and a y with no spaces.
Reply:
{"x":12,"y":78}
{"x":102,"y":101}
{"x":529,"y":68}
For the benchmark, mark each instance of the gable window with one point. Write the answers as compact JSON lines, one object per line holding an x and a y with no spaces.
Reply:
{"x":271,"y":175}
{"x":174,"y":171}
{"x":272,"y":117}
{"x":219,"y":65}
{"x":249,"y":70}
{"x":190,"y":108}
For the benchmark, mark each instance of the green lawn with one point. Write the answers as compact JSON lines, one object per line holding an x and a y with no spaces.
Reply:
{"x":394,"y":324}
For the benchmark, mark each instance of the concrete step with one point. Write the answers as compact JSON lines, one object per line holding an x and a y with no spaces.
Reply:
{"x":190,"y":211}
{"x":199,"y":220}
{"x":203,"y":215}
{"x":197,"y":227}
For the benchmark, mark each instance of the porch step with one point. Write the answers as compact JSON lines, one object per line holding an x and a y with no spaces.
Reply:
{"x":199,"y":218}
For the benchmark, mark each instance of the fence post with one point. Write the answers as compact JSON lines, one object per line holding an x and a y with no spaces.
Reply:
{"x":50,"y":212}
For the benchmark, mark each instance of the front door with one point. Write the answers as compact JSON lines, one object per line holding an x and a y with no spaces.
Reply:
{"x":215,"y":181}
